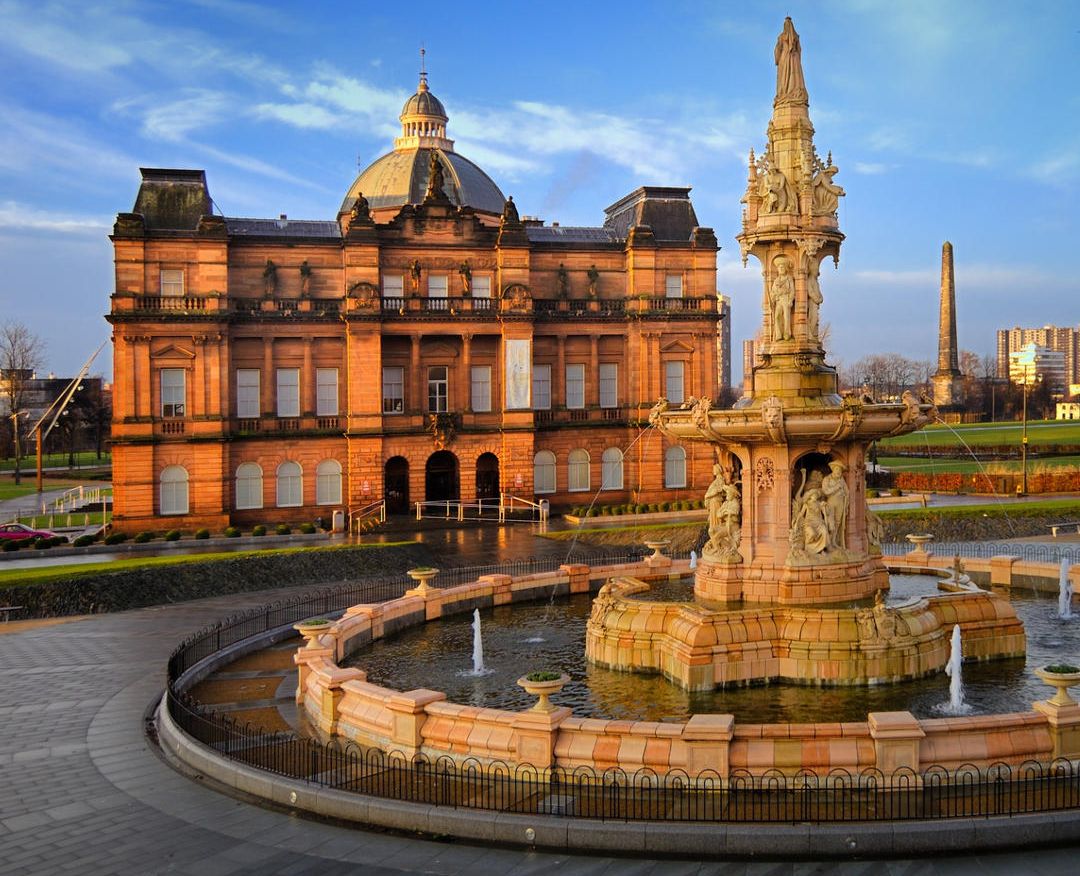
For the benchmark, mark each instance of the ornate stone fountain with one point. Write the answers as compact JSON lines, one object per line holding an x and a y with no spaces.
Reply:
{"x":789,"y":528}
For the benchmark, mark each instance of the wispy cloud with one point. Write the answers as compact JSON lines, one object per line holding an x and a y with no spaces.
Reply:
{"x":872,"y":168}
{"x":22,"y":217}
{"x":1058,"y":170}
{"x":975,"y":276}
{"x":174,"y":120}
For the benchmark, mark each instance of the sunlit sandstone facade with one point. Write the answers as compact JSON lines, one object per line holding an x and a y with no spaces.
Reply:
{"x":428,"y":344}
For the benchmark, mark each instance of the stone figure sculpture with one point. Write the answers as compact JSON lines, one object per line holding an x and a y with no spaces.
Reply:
{"x":776,"y":192}
{"x":813,"y":303}
{"x":414,"y":273}
{"x":782,"y":298}
{"x":790,"y":85}
{"x":465,"y":272}
{"x":436,"y":180}
{"x":724,"y":506}
{"x":826,"y":193}
{"x":564,"y":282}
{"x":593,"y":276}
{"x":835,"y":490}
{"x":809,"y":533}
{"x":269,"y":278}
{"x":361,"y":210}
{"x":875,"y":532}
{"x":510,"y":211}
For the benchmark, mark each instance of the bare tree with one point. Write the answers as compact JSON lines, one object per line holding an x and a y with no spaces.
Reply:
{"x":21,"y":353}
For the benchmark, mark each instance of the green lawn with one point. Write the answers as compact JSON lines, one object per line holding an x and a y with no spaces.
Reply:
{"x":18,"y":577}
{"x":83,"y":459}
{"x":1070,"y":507}
{"x":1040,"y":433}
{"x":929,"y":465}
{"x":9,"y":490}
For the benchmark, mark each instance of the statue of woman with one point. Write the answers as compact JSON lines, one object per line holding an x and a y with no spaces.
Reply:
{"x":826,"y":194}
{"x":714,"y":501}
{"x":731,"y":519}
{"x":782,"y":298}
{"x":835,"y":491}
{"x":790,"y":87}
{"x":813,"y":302}
{"x":436,"y":180}
{"x":812,"y":521}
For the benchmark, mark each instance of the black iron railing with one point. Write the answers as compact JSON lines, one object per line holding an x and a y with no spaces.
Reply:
{"x":1031,"y":551}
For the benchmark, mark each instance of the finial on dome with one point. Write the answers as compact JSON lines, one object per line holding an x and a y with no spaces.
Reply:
{"x":423,"y":70}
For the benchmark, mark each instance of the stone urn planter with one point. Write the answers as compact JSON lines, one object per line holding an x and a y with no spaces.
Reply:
{"x":1061,"y":680}
{"x":920,"y":542}
{"x":421,"y":575}
{"x":657,"y":548}
{"x":312,"y":629}
{"x":539,"y":685}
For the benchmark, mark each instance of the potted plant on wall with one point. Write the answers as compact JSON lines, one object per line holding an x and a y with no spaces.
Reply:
{"x":1060,"y":676}
{"x":543,"y":683}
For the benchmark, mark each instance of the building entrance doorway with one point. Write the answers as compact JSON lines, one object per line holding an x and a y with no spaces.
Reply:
{"x":441,"y":482}
{"x":487,"y":476}
{"x":396,"y":485}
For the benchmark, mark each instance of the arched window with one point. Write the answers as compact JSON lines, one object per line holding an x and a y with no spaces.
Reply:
{"x":174,"y":490}
{"x":290,"y":485}
{"x":611,"y":469}
{"x":328,"y":483}
{"x":578,"y":471}
{"x":249,"y":486}
{"x":544,"y":472}
{"x":674,"y":467}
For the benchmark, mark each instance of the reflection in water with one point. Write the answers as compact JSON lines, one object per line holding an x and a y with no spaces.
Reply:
{"x":524,"y":638}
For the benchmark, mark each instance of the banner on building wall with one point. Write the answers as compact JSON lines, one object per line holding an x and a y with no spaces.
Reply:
{"x":518,"y":374}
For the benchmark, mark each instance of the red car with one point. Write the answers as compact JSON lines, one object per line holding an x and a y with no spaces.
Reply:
{"x":20,"y":532}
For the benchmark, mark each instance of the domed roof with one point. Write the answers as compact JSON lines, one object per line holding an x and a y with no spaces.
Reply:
{"x":401,"y":177}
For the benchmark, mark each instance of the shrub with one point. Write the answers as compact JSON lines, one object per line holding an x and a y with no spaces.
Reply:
{"x":543,"y":676}
{"x":1062,"y":668}
{"x":605,"y":511}
{"x":41,"y":544}
{"x":117,"y":537}
{"x":230,"y":532}
{"x":259,"y":530}
{"x":307,"y":528}
{"x":172,"y":535}
{"x":283,"y":529}
{"x":202,"y":533}
{"x":895,"y":491}
{"x":591,"y":512}
{"x":871,"y":494}
{"x":665,"y":506}
{"x":640,"y":508}
{"x":144,"y":537}
{"x":84,"y":540}
{"x":10,"y":545}
{"x":654,"y":507}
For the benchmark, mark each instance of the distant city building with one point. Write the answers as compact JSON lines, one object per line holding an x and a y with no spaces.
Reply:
{"x":1062,"y":340}
{"x":723,"y":343}
{"x":749,"y":360}
{"x":1032,"y":362}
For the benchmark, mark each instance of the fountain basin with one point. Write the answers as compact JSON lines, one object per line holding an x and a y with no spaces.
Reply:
{"x":700,"y":648}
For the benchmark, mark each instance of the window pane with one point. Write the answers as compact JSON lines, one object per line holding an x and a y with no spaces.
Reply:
{"x":541,"y":387}
{"x":609,"y":385}
{"x":544,"y":472}
{"x":290,"y":487}
{"x":437,"y":389}
{"x":393,"y":286}
{"x":673,"y":382}
{"x":481,"y":287}
{"x":172,"y":392}
{"x":326,"y":401}
{"x":174,"y":490}
{"x":247,"y":393}
{"x":575,"y":386}
{"x":611,"y":476}
{"x":675,"y":467}
{"x":673,"y":286}
{"x":172,"y":284}
{"x":249,"y":486}
{"x":288,"y":392}
{"x":436,"y":286}
{"x":481,"y":388}
{"x":578,"y":471}
{"x":393,"y":390}
{"x":328,"y":483}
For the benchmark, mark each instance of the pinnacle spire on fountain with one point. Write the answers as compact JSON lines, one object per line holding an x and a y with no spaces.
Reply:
{"x":790,"y":226}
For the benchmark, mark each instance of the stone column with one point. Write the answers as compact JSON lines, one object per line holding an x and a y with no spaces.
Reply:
{"x":409,"y":715}
{"x":896,"y":738}
{"x":415,"y":400}
{"x":1064,"y":724}
{"x":307,"y":381}
{"x":708,"y":741}
{"x":144,"y":397}
{"x":558,"y":380}
{"x":592,"y":379}
{"x":268,"y":380}
{"x":535,"y":734}
{"x":464,"y":380}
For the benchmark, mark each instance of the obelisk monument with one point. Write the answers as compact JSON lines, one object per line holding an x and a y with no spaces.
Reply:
{"x":946,"y":380}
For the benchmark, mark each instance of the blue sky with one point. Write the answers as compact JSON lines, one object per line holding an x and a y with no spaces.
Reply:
{"x":948,"y":120}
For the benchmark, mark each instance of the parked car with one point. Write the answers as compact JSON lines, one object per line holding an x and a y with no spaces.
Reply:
{"x":21,"y":532}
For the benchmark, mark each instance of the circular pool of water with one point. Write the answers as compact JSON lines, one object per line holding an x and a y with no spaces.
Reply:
{"x":526,"y":637}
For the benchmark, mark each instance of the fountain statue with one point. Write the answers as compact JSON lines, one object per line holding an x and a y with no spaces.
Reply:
{"x":788,"y":524}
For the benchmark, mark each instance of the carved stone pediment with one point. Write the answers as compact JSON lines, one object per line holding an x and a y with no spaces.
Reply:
{"x":173,"y":351}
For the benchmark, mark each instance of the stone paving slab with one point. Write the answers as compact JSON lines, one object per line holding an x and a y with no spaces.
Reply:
{"x":85,"y":793}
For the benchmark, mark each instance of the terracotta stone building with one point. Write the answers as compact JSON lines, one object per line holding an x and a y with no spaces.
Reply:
{"x":427,"y":344}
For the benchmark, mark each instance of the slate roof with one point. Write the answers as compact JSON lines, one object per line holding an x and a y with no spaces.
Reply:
{"x":282,"y":227}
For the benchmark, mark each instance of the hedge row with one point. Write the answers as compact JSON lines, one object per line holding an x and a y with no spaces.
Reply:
{"x":635,"y":508}
{"x":154,"y":585}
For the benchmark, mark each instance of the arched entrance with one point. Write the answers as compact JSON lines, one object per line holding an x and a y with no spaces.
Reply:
{"x":441,"y":482}
{"x":396,"y":485}
{"x":487,"y":476}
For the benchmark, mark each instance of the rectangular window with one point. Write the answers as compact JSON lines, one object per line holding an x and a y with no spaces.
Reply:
{"x":393,"y":286}
{"x":172,"y":283}
{"x":436,"y":285}
{"x":437,"y":389}
{"x":288,"y":392}
{"x":673,"y":286}
{"x":541,"y":387}
{"x":481,"y":287}
{"x":247,"y":393}
{"x":326,"y":396}
{"x":481,"y":388}
{"x":609,"y":385}
{"x":673,"y":382}
{"x":393,"y":390}
{"x":172,"y":392}
{"x":575,"y":386}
